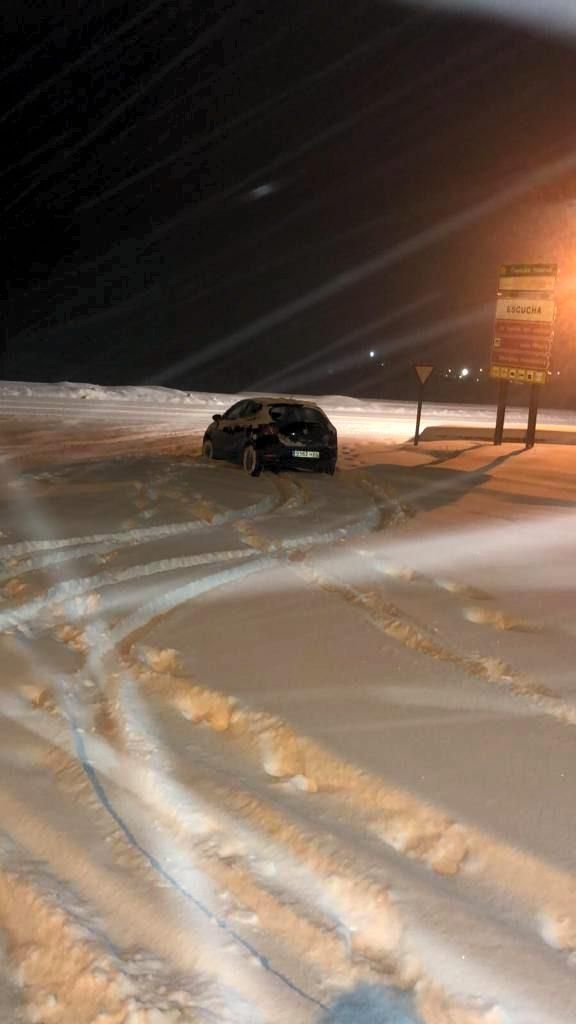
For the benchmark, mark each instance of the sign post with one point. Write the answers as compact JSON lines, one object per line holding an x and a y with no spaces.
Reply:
{"x":532,"y":415}
{"x":423,"y":371}
{"x":523,"y":335}
{"x":501,"y":411}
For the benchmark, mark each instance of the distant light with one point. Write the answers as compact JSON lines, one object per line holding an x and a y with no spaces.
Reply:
{"x":481,"y":369}
{"x":464,"y":371}
{"x":372,"y":354}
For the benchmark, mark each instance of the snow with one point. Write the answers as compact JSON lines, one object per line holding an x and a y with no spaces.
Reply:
{"x":289,"y":749}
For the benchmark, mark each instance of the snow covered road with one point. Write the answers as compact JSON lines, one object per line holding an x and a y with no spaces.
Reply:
{"x":266,"y":743}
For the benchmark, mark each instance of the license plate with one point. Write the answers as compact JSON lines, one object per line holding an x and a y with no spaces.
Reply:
{"x":301,"y":454}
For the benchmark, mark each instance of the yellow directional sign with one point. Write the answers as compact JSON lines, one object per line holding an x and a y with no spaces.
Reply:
{"x":518,"y":375}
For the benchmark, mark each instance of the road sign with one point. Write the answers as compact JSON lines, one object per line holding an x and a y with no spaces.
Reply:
{"x":523,"y":334}
{"x":424,"y":371}
{"x":525,"y":310}
{"x":530,"y":277}
{"x":524,"y":327}
{"x":519,"y":376}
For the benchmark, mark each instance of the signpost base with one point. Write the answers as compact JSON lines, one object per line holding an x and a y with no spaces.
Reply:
{"x":532,"y":415}
{"x":502,"y":399}
{"x":419,"y":414}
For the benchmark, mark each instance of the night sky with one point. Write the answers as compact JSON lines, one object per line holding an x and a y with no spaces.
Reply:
{"x":242,"y":195}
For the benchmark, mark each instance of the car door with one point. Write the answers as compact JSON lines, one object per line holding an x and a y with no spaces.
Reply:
{"x":229,"y":427}
{"x":241,"y":428}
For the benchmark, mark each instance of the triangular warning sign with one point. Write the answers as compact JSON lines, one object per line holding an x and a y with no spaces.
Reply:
{"x":424,"y":371}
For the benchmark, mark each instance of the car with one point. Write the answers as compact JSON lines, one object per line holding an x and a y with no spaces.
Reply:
{"x":273,"y":433}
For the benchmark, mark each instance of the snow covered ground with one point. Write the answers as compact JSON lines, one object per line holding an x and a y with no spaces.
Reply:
{"x":288,"y":749}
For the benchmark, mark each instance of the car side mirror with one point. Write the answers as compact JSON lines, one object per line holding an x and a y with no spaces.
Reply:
{"x":217,"y":417}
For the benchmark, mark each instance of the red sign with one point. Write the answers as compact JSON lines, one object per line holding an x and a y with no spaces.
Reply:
{"x":522,"y":346}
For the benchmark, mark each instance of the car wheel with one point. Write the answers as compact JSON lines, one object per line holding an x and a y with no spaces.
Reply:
{"x":208,"y":449}
{"x":251,"y":460}
{"x":330,"y":468}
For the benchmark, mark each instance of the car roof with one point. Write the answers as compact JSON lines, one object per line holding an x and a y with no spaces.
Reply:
{"x":282,"y":400}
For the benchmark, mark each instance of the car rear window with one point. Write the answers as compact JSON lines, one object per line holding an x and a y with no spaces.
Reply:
{"x":296,"y":414}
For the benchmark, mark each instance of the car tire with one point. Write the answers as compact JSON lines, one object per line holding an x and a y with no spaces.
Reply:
{"x":251,"y":460}
{"x":208,"y":449}
{"x":330,"y":468}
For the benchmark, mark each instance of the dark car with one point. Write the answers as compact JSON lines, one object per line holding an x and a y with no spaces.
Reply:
{"x":275,"y":433}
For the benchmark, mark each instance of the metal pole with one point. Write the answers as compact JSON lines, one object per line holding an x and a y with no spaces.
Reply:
{"x":532,"y":415}
{"x":419,"y":414}
{"x":502,"y":398}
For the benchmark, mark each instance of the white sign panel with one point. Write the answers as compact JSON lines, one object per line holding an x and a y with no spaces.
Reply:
{"x":527,"y":284}
{"x":540,"y":311}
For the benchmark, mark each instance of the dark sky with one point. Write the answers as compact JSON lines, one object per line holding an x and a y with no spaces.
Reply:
{"x":229,"y":195}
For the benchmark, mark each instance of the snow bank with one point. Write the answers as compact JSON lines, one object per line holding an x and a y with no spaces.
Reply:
{"x":67,"y":391}
{"x":512,"y":435}
{"x":147,"y":396}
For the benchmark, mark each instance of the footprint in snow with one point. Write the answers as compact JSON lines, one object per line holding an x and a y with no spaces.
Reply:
{"x":370,"y":1004}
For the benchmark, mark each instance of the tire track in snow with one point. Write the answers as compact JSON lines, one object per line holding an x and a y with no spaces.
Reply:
{"x":392,"y":511}
{"x":395,"y":513}
{"x":95,"y":782}
{"x":138,"y":620}
{"x":67,"y":549}
{"x":214,"y":835}
{"x":148,"y":857}
{"x":412,"y":827}
{"x":387,"y":618}
{"x":136,"y":535}
{"x":68,"y":964}
{"x":64,"y":594}
{"x":45,"y":553}
{"x":340,"y":861}
{"x":445,"y":848}
{"x":295,"y":497}
{"x":287,"y":902}
{"x":364,"y":798}
{"x":52,"y":445}
{"x":46,"y":943}
{"x":358,"y":908}
{"x":477,"y":613}
{"x":128,"y":626}
{"x":281,"y":754}
{"x":169,"y":877}
{"x":320,"y":538}
{"x":231,"y":810}
{"x":141,"y":618}
{"x":284,"y":756}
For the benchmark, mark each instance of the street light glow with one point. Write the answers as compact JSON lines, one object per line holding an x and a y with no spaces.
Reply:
{"x":372,"y":354}
{"x":464,"y":371}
